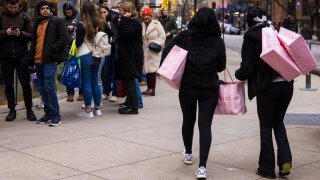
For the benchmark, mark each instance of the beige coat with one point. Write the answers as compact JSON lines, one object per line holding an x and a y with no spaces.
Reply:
{"x":153,"y":33}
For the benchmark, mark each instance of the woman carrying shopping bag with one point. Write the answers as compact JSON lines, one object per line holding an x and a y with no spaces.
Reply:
{"x":273,"y":94}
{"x":200,"y":81}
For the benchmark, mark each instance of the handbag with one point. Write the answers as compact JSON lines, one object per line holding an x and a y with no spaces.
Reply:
{"x":71,"y":74}
{"x":172,"y":67}
{"x":274,"y":54}
{"x":232,"y":98}
{"x":155,"y":47}
{"x":298,"y":49}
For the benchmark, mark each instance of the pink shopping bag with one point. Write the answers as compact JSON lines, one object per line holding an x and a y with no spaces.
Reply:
{"x":275,"y":55}
{"x":298,"y":50}
{"x":232,"y":99}
{"x":172,"y":67}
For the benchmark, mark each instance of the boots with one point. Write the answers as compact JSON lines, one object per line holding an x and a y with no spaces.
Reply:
{"x":150,"y":92}
{"x":11,"y":116}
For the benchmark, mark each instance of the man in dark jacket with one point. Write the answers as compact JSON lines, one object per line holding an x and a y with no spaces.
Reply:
{"x":49,"y":41}
{"x":15,"y":33}
{"x":71,"y":19}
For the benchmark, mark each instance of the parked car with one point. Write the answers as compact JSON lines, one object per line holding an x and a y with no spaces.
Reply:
{"x":229,"y":29}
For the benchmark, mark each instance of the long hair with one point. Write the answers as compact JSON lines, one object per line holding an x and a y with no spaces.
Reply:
{"x":129,"y":7}
{"x":92,"y":20}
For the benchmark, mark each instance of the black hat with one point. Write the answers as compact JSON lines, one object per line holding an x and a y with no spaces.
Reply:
{"x":43,"y":3}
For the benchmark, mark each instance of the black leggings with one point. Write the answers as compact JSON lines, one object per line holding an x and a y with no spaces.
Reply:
{"x":272,"y":106}
{"x":207,"y":101}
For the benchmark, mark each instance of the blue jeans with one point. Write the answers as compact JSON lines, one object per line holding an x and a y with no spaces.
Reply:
{"x":46,"y":74}
{"x":108,"y":77}
{"x":89,"y":80}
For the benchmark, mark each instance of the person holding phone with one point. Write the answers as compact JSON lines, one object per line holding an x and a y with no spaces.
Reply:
{"x":15,"y":33}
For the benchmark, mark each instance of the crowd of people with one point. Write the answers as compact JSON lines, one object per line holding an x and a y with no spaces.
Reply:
{"x":130,"y":35}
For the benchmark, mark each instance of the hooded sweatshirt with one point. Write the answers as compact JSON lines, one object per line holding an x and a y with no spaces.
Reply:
{"x":73,"y":20}
{"x":206,"y":50}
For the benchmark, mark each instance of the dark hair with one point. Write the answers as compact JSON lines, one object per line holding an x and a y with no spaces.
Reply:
{"x":12,"y":1}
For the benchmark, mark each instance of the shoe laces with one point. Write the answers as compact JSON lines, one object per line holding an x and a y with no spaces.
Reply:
{"x":202,"y":171}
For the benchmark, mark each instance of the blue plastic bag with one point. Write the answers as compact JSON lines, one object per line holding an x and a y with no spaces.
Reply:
{"x":71,"y":74}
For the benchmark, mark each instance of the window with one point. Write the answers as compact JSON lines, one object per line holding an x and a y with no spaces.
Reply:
{"x":305,"y":8}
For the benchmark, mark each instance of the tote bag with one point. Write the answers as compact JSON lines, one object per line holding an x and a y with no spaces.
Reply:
{"x":172,"y":67}
{"x":232,"y":98}
{"x":274,"y":54}
{"x":298,"y":49}
{"x":71,"y":74}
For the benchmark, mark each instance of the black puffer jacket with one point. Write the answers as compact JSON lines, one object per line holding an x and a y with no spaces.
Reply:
{"x":258,"y":73}
{"x":206,"y":51}
{"x":13,"y":46}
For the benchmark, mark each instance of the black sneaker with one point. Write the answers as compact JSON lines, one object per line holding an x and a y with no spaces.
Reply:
{"x":11,"y":116}
{"x":44,"y":119}
{"x":31,"y":116}
{"x":258,"y":172}
{"x":55,"y":121}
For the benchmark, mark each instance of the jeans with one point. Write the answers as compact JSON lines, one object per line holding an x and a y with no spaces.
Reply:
{"x":46,"y":74}
{"x":100,"y":74}
{"x":70,"y":90}
{"x":8,"y":66}
{"x":89,"y":80}
{"x":108,"y":77}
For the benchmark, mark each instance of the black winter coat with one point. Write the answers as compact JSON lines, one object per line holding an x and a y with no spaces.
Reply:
{"x":130,"y":52}
{"x":55,"y":41}
{"x":206,"y":51}
{"x":258,"y":73}
{"x":13,"y":46}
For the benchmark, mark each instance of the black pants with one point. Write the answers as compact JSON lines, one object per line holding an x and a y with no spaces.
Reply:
{"x":272,"y":106}
{"x":131,"y":92}
{"x":8,"y":66}
{"x":207,"y":101}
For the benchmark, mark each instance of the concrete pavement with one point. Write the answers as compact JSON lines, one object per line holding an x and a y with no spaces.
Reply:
{"x":149,"y":145}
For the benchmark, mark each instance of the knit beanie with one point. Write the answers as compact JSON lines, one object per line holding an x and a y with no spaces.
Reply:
{"x":147,"y":11}
{"x":43,"y":3}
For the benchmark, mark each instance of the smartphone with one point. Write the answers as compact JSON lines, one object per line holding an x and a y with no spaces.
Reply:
{"x":14,"y":27}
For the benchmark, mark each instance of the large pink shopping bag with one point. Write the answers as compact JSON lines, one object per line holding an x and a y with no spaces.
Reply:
{"x":172,"y":67}
{"x":275,"y":55}
{"x":298,"y":49}
{"x":232,"y":99}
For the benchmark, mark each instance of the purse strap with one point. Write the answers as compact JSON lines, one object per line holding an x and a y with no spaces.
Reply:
{"x":226,"y":70}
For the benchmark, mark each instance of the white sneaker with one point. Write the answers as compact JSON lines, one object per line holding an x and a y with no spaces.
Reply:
{"x":187,"y":158}
{"x":201,"y":172}
{"x":97,"y":112}
{"x":84,"y":114}
{"x":104,"y":97}
{"x":39,"y":104}
{"x":113,"y":99}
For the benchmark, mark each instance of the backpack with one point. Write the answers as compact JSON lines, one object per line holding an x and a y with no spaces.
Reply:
{"x":101,"y":46}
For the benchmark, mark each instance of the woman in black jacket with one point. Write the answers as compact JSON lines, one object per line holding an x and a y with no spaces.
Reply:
{"x":130,"y":54}
{"x":200,"y":81}
{"x":273,"y":97}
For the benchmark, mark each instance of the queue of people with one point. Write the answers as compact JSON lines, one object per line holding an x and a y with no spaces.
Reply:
{"x":130,"y":56}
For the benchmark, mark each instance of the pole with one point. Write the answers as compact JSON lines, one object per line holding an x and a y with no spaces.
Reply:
{"x":308,"y":79}
{"x":195,"y":6}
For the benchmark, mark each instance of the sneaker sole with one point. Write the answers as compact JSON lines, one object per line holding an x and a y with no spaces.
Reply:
{"x":188,"y":162}
{"x":201,"y":176}
{"x":52,"y":125}
{"x":38,"y":122}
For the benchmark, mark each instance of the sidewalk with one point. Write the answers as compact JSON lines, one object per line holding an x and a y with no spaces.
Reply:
{"x":149,"y":146}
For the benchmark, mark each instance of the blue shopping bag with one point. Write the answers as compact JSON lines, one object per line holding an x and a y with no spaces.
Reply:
{"x":71,"y":73}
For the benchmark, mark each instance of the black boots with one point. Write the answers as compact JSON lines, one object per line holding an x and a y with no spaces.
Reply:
{"x":11,"y":116}
{"x":31,"y":116}
{"x":150,"y":92}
